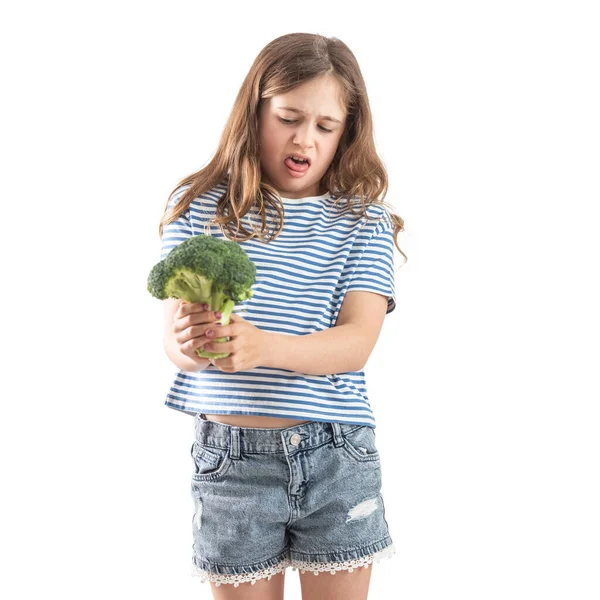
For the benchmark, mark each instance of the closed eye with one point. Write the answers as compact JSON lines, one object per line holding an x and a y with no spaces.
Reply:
{"x":289,"y":122}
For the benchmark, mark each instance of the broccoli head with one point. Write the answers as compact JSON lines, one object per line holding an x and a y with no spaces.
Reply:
{"x":205,"y":269}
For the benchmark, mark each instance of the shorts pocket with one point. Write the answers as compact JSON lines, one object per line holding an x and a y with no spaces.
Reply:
{"x":360,"y":444}
{"x":209,"y":463}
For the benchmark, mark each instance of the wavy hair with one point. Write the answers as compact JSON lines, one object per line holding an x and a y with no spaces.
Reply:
{"x":355,"y":173}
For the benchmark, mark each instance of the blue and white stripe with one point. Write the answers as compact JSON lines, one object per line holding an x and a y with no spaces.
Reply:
{"x":302,"y":277}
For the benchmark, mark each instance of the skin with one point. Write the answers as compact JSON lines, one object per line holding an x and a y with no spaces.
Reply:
{"x":305,"y":135}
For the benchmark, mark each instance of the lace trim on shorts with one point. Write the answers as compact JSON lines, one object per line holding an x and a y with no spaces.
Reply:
{"x":349,"y":565}
{"x":316,"y":567}
{"x":218,"y":578}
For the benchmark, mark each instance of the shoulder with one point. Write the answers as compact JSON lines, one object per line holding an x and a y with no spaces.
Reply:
{"x":379,"y":211}
{"x":378,"y":218}
{"x":202,"y":209}
{"x":209,"y":198}
{"x":176,"y":195}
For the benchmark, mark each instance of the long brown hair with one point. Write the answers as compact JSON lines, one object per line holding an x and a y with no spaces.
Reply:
{"x":356,"y":171}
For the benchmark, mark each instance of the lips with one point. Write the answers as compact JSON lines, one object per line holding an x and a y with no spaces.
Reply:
{"x":290,"y":164}
{"x":306,"y":158}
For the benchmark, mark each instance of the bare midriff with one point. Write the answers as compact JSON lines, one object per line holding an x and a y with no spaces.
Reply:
{"x":254,"y":421}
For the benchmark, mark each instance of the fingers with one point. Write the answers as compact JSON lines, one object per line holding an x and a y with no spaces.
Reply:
{"x":189,"y":348}
{"x":187,"y":317}
{"x":195,"y":327}
{"x":193,"y":308}
{"x":196,"y":336}
{"x":193,"y":338}
{"x":219,"y":347}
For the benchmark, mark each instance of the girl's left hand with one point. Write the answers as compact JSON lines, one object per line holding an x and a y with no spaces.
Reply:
{"x":246,"y":345}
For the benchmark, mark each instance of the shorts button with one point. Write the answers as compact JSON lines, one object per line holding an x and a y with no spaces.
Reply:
{"x":295,"y":439}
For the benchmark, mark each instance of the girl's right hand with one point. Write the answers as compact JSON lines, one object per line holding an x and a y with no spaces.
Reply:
{"x":191,"y":321}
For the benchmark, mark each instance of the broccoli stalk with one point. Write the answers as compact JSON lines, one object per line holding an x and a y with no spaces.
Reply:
{"x":205,"y":270}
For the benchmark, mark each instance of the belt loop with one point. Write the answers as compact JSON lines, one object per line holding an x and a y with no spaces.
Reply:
{"x":234,"y":450}
{"x":338,"y":436}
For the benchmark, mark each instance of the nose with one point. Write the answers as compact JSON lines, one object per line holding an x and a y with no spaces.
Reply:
{"x":302,"y":138}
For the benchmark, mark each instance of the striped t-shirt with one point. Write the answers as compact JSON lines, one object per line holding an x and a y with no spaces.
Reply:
{"x":302,"y":276}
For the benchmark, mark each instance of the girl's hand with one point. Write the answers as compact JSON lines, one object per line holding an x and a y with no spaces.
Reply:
{"x":190,"y":322}
{"x":246,"y":345}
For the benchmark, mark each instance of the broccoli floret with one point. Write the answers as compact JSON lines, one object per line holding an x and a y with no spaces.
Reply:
{"x":205,"y":269}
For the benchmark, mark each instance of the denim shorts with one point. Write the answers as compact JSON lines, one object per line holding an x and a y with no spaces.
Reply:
{"x":306,"y":497}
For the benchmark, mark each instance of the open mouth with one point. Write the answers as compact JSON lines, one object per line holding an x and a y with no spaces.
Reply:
{"x":298,"y":166}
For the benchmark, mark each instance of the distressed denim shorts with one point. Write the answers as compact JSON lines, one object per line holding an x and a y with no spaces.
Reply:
{"x":307,"y":497}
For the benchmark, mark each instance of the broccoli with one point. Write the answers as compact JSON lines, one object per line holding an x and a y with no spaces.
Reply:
{"x":207,"y":270}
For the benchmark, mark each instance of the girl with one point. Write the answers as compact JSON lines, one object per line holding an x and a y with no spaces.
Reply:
{"x":286,"y":469}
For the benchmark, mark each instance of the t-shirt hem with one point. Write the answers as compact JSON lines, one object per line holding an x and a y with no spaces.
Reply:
{"x":193,"y":412}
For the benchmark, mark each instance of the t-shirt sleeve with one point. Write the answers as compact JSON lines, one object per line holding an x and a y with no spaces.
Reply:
{"x":177,"y":231}
{"x":375,"y":269}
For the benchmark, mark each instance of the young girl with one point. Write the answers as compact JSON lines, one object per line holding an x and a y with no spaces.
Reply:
{"x":286,"y":468}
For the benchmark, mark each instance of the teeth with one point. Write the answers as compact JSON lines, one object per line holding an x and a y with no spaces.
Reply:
{"x":299,"y":159}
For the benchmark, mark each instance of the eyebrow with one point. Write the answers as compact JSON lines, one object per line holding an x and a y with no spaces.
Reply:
{"x":297,"y":110}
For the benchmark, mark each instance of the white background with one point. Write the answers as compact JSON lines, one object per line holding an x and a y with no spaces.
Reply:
{"x":484,"y":381}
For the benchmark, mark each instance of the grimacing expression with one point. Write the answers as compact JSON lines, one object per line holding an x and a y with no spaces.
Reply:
{"x":308,"y":120}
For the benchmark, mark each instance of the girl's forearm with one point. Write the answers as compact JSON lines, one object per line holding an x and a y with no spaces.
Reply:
{"x":334,"y":350}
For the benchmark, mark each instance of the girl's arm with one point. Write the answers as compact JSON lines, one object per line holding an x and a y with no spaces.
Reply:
{"x":340,"y":349}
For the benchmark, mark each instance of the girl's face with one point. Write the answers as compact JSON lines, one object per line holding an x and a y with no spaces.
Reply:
{"x":308,"y":132}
